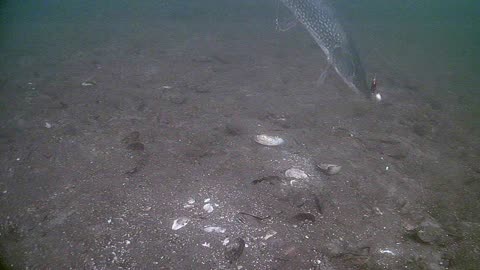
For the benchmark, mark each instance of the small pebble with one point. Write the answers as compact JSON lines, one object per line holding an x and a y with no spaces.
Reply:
{"x":234,"y":250}
{"x":137,"y":146}
{"x":48,"y":125}
{"x":330,"y":169}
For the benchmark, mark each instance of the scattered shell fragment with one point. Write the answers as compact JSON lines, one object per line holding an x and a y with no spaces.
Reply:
{"x":208,"y":207}
{"x":296,"y":173}
{"x":225,"y":241}
{"x":214,"y":229}
{"x":166,"y":87}
{"x":330,"y":169}
{"x":386,"y":251}
{"x":48,"y":125}
{"x":267,"y":140}
{"x":180,"y":223}
{"x":269,"y":234}
{"x":207,"y":245}
{"x":191,"y":201}
{"x":206,"y":200}
{"x":89,"y":83}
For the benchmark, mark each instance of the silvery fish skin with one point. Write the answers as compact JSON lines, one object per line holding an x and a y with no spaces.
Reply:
{"x":319,"y":18}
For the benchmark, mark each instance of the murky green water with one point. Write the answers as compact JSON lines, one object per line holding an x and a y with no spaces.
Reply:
{"x":430,"y":43}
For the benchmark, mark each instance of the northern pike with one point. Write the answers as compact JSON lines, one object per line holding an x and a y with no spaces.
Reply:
{"x":320,"y":20}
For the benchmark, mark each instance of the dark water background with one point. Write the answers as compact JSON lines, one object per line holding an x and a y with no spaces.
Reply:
{"x":430,"y":43}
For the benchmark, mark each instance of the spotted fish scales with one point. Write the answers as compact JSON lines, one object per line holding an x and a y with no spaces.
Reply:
{"x":320,"y":20}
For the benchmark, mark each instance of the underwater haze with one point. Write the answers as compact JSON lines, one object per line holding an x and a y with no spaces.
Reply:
{"x":197,"y":135}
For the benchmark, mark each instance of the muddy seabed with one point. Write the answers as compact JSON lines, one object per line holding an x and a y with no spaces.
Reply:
{"x":94,"y":175}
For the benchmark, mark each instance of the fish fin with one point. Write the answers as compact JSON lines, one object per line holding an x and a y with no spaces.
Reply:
{"x":284,"y":27}
{"x":321,"y":79}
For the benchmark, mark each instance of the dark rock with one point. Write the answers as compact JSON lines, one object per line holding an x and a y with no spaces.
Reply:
{"x":178,"y":100}
{"x":270,"y":179}
{"x":318,"y":204}
{"x":137,"y":146}
{"x":234,"y":249}
{"x":429,"y":233}
{"x":133,"y":137}
{"x":132,"y":171}
{"x":420,"y":130}
{"x":232,"y":130}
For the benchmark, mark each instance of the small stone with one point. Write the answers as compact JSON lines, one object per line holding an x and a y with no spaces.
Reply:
{"x":132,"y":137}
{"x":233,"y":130}
{"x":137,"y":146}
{"x":429,"y":233}
{"x":329,"y":169}
{"x":234,"y":250}
{"x":48,"y":125}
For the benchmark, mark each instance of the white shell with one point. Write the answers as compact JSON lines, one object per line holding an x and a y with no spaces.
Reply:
{"x":88,"y":83}
{"x":329,"y":168}
{"x":208,"y":207}
{"x":296,"y":173}
{"x":269,"y":234}
{"x":378,"y":97}
{"x":267,"y":140}
{"x":180,"y":223}
{"x":214,"y":229}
